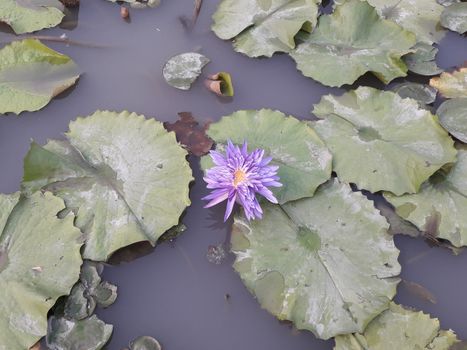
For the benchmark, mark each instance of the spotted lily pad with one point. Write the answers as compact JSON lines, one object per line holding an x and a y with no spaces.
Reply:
{"x":39,"y":262}
{"x":352,"y":41}
{"x":417,"y":16}
{"x":440,"y":206}
{"x":453,"y":117}
{"x":182,"y":70}
{"x":261,"y":28}
{"x":125,"y":177}
{"x":88,"y":334}
{"x":451,"y":85}
{"x":31,"y":74}
{"x":303,"y":159}
{"x":454,"y":17}
{"x":26,"y":16}
{"x":399,"y":328}
{"x":140,"y":3}
{"x":325,"y":263}
{"x":381,"y":141}
{"x":423,"y":60}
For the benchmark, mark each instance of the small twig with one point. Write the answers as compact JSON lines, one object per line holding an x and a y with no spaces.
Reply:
{"x":58,"y":39}
{"x":198,"y":4}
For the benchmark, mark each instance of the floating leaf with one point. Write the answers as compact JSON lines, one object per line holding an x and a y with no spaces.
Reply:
{"x":221,"y":84}
{"x":380,"y":141}
{"x":439,"y":208}
{"x":88,"y":334}
{"x":303,"y":159}
{"x":78,"y":305}
{"x":39,"y":262}
{"x":420,"y":17}
{"x":182,"y":70}
{"x":447,"y":2}
{"x":399,"y":328}
{"x":145,"y":343}
{"x":454,"y":17}
{"x":31,"y":74}
{"x":424,"y":94}
{"x":423,"y":60}
{"x":190,"y":134}
{"x":26,"y":16}
{"x":140,"y":3}
{"x":261,"y":28}
{"x":352,"y":41}
{"x":451,"y":85}
{"x":125,"y":177}
{"x":453,"y":117}
{"x":325,"y":263}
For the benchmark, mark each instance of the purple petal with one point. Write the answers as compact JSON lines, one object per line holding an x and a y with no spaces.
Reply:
{"x":217,"y":200}
{"x":229,"y":207}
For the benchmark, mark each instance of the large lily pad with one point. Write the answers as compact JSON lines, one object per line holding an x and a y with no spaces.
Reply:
{"x":31,"y":74}
{"x":399,"y":328}
{"x":261,"y":28}
{"x":325,"y":263}
{"x":39,"y":262}
{"x":454,"y":17}
{"x":439,"y":208}
{"x":453,"y":117}
{"x":125,"y":177}
{"x":417,"y":16}
{"x":303,"y":159}
{"x":352,"y":41}
{"x":26,"y":16}
{"x":381,"y":141}
{"x":182,"y":70}
{"x":451,"y":85}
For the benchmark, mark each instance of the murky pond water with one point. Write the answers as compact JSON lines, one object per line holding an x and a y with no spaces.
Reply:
{"x":175,"y":294}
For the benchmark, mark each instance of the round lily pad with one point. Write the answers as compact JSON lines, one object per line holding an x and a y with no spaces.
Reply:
{"x":453,"y":117}
{"x":303,"y":159}
{"x":381,"y":141}
{"x":182,"y":70}
{"x":39,"y":262}
{"x":326,"y":263}
{"x":439,"y":208}
{"x":124,"y":176}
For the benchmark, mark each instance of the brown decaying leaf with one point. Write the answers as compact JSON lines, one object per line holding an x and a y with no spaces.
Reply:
{"x":419,"y":291}
{"x":191,"y":134}
{"x":124,"y":12}
{"x":198,"y":4}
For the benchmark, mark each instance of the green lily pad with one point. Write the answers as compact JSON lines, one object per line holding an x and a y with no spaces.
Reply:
{"x":325,"y":263}
{"x":454,"y":17}
{"x":440,"y":206}
{"x":399,"y":328}
{"x":423,"y":60}
{"x":125,"y":177}
{"x":422,"y":93}
{"x":39,"y":262}
{"x":303,"y":159}
{"x":352,"y":41}
{"x":31,"y":74}
{"x":145,"y":343}
{"x":140,"y":3}
{"x":451,"y":85}
{"x":453,"y":117}
{"x":381,"y":141}
{"x":26,"y":16}
{"x":182,"y":70}
{"x":88,"y":334}
{"x":420,"y":17}
{"x":261,"y":28}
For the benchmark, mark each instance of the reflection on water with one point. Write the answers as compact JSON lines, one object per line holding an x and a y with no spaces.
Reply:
{"x":174,"y":293}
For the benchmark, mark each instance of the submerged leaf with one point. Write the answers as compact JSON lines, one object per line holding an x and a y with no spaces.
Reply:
{"x":399,"y":328}
{"x":325,"y":263}
{"x":380,"y":141}
{"x":352,"y":41}
{"x":454,"y":17}
{"x":420,"y":17}
{"x":88,"y":334}
{"x":145,"y":343}
{"x":397,"y":225}
{"x":261,"y":28}
{"x":182,"y":70}
{"x":39,"y":262}
{"x":453,"y":117}
{"x":31,"y":74}
{"x":125,"y":177}
{"x":26,"y":16}
{"x":140,"y":3}
{"x":424,"y":94}
{"x":303,"y":159}
{"x":190,"y":134}
{"x":440,"y":206}
{"x":423,"y":60}
{"x":451,"y":85}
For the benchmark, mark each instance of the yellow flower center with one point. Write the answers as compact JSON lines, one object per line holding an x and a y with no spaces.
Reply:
{"x":239,"y":177}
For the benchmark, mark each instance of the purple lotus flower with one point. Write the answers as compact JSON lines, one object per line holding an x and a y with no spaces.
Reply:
{"x":238,"y":176}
